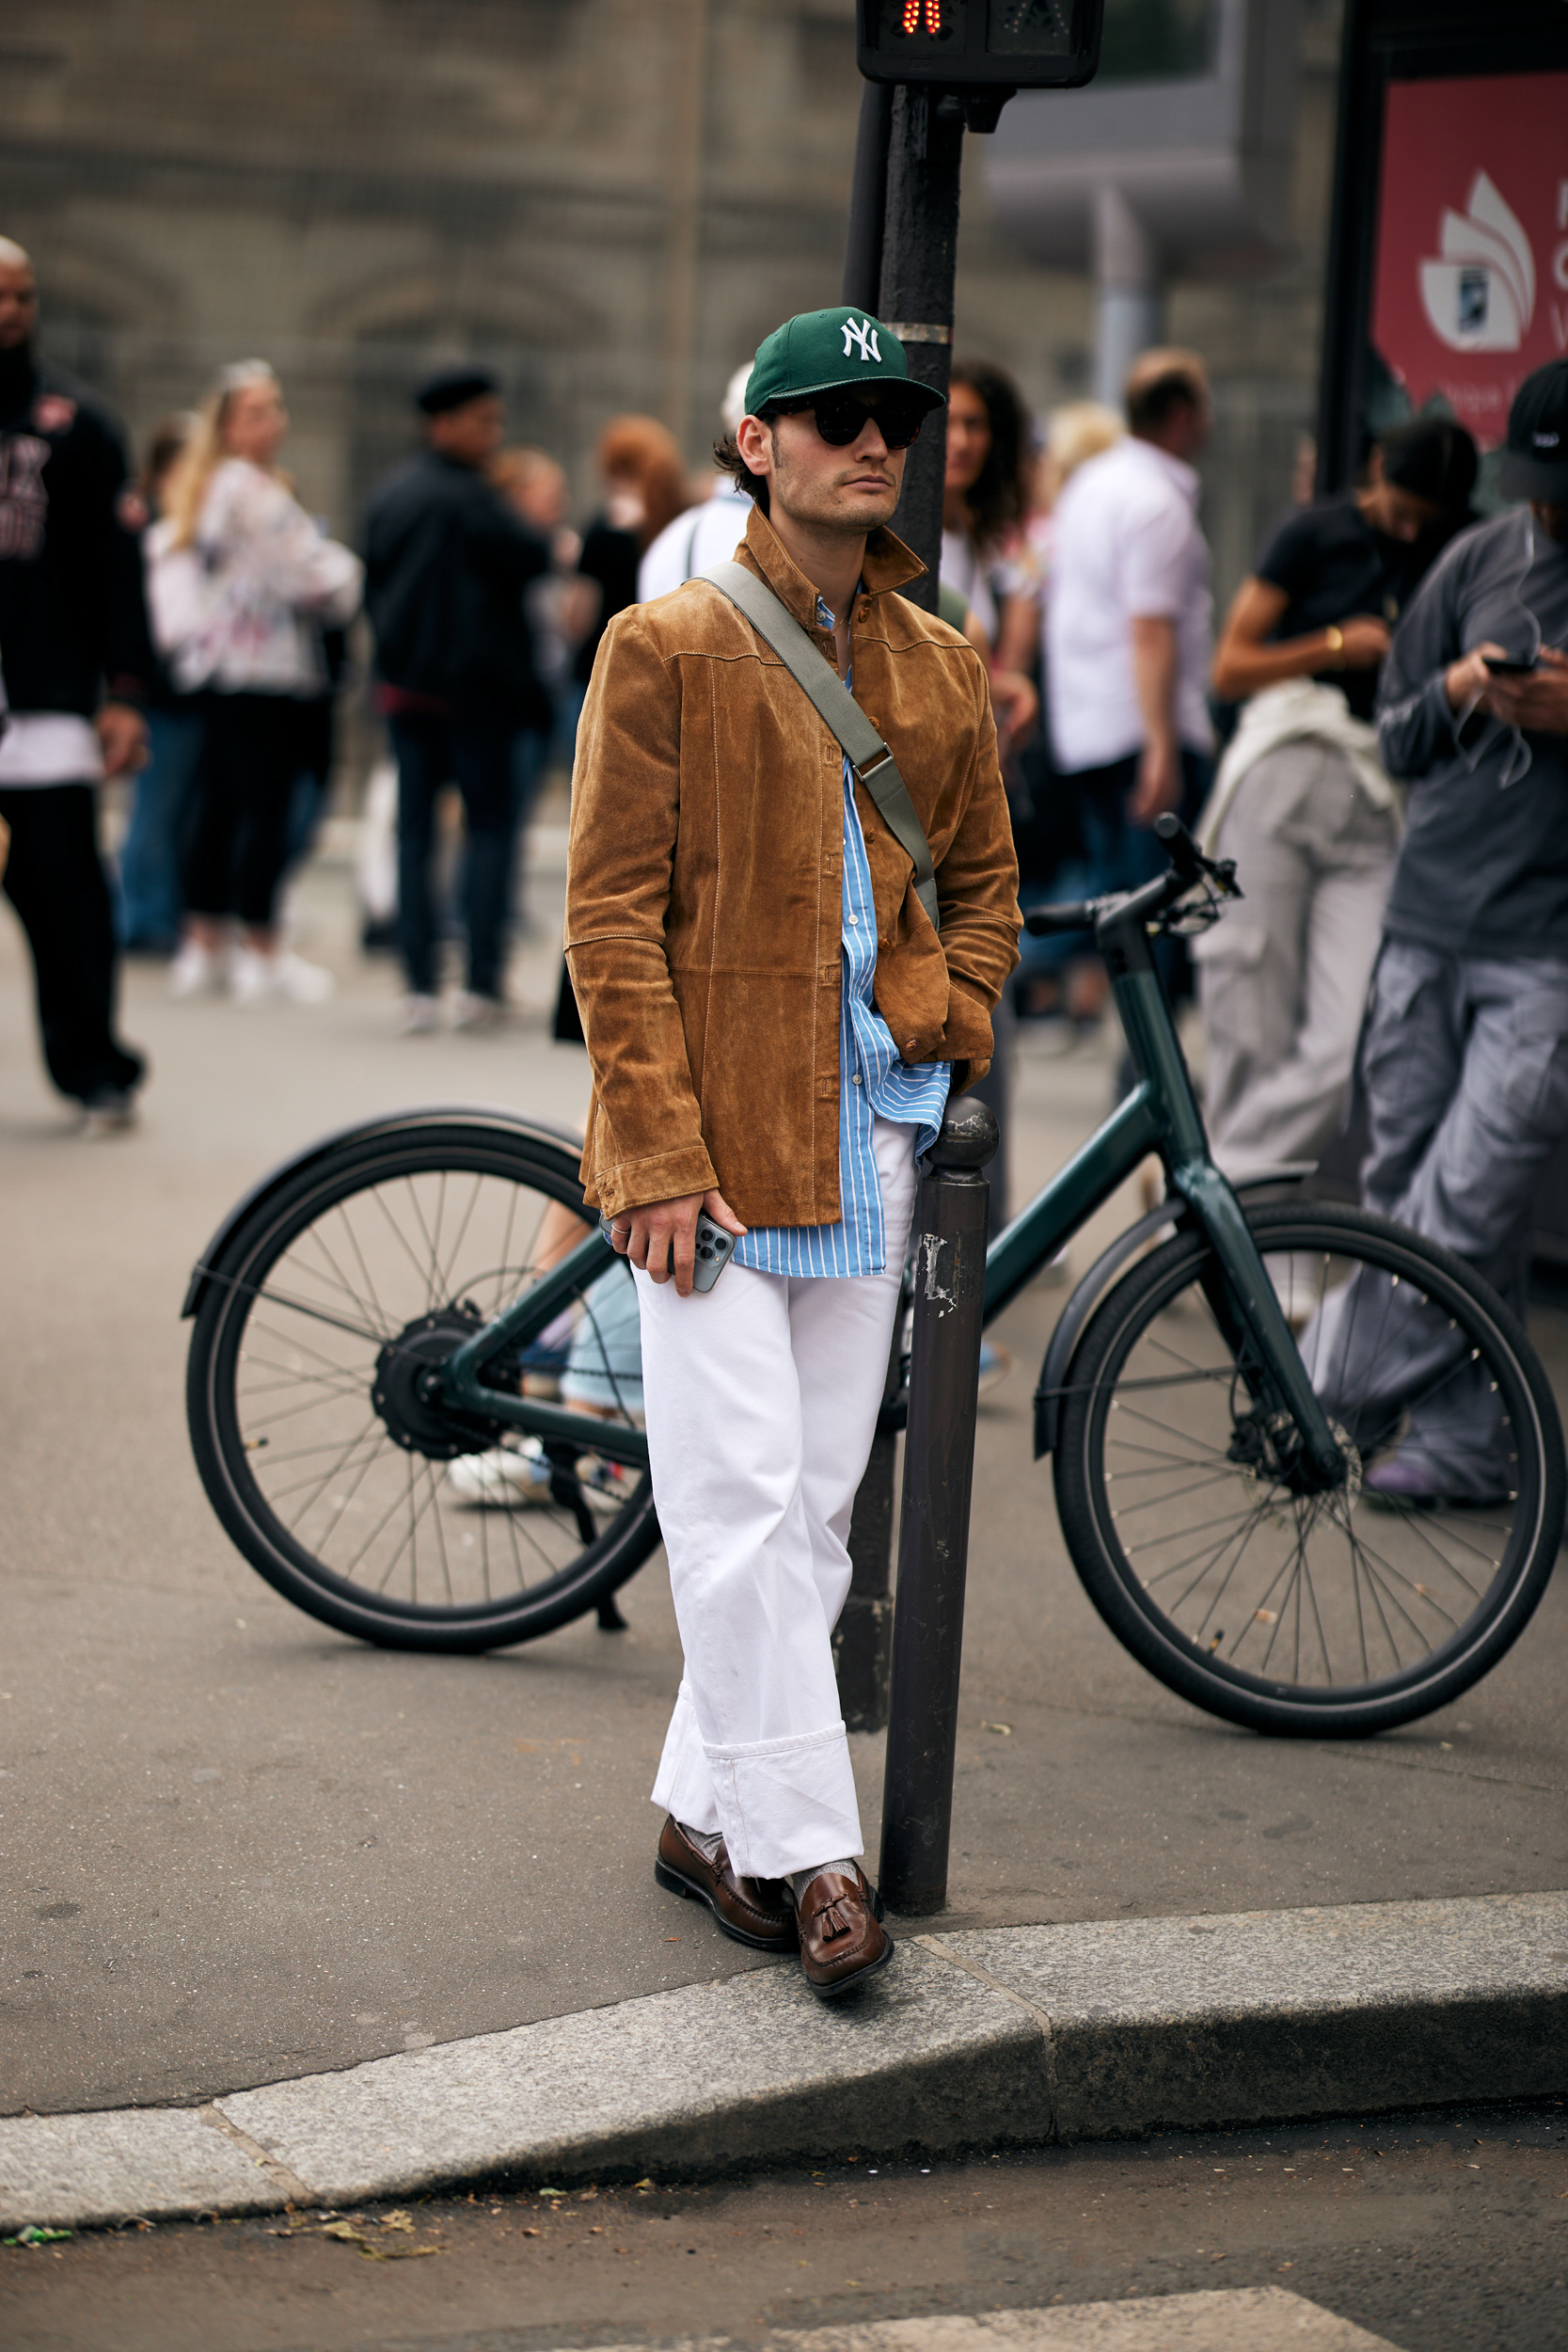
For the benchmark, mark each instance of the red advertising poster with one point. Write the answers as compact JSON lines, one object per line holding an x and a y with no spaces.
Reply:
{"x":1472,"y":246}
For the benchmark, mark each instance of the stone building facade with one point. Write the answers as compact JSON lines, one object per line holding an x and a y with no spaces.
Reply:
{"x":611,"y":201}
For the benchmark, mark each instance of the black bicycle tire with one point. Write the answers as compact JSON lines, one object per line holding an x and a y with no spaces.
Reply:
{"x":1112,"y":1583}
{"x":603,"y":1568}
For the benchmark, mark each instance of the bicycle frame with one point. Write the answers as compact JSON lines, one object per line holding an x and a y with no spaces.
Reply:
{"x":1161,"y":1115}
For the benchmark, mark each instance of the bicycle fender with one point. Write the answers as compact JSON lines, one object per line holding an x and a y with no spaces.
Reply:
{"x":474,"y":1114}
{"x":1097,"y":1281}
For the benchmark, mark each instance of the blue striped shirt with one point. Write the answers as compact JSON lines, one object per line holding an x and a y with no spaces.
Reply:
{"x":873,"y":1082}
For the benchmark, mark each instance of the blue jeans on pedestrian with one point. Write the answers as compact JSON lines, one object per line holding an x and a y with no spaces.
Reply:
{"x":163,"y":801}
{"x":474,"y":753}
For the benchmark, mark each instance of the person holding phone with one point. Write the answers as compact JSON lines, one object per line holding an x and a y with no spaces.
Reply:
{"x":1465,"y":1054}
{"x":773,"y":1021}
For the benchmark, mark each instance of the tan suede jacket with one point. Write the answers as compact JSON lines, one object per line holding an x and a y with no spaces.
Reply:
{"x":704,"y":894}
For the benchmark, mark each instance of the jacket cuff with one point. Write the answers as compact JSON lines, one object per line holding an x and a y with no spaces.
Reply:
{"x":667,"y":1176}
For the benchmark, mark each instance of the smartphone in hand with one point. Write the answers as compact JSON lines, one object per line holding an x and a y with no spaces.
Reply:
{"x":1502,"y":665}
{"x":711,"y":1249}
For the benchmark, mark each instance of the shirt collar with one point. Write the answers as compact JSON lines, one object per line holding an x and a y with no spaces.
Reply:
{"x":889,"y":563}
{"x":1176,"y":469}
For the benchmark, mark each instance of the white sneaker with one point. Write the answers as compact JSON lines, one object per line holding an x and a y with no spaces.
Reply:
{"x":507,"y":1478}
{"x":197,"y":971}
{"x":477,"y":1014}
{"x":419,"y":1015}
{"x":302,"y":983}
{"x":254,"y":977}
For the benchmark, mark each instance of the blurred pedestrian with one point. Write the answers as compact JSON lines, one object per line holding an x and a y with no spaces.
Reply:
{"x":557,"y":607}
{"x":1302,"y":801}
{"x":448,"y":558}
{"x":244,"y":629}
{"x":75,"y":661}
{"x":645,"y":488}
{"x":1464,"y":1057}
{"x":985,"y":562}
{"x":708,"y":533}
{"x":984,"y":554}
{"x":1129,"y":623}
{"x":163,"y":794}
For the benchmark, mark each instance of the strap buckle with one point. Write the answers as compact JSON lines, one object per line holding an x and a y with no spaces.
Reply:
{"x":878,"y":760}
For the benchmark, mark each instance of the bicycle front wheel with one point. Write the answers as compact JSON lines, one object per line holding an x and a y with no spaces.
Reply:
{"x":1215,"y":1556}
{"x":339,"y":1481}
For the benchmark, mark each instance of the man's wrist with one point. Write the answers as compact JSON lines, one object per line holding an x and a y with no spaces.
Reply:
{"x":1334,"y":640}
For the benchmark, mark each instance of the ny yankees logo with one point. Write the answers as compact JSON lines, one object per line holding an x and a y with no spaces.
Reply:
{"x":864,"y":334}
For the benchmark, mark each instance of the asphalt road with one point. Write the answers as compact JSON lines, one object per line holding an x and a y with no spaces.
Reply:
{"x":1435,"y":2235}
{"x":234,"y":1846}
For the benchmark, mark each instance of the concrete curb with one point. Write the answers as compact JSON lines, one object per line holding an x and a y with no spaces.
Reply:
{"x":1006,"y":2035}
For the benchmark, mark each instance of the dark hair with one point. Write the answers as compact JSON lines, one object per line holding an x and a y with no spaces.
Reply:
{"x":727,"y":457}
{"x":1000,"y":494}
{"x":1160,"y":381}
{"x":1433,"y":459}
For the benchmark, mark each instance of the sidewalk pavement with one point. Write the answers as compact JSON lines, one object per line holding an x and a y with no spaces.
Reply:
{"x":237,"y":1851}
{"x":1005,"y":2037}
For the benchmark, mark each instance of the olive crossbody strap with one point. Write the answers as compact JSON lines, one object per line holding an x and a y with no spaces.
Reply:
{"x":867,"y":755}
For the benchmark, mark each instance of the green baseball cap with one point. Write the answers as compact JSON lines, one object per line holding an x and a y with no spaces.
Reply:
{"x":831,"y":351}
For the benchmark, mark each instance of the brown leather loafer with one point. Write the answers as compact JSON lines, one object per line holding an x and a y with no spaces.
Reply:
{"x":842,"y":1939}
{"x":759,"y":1911}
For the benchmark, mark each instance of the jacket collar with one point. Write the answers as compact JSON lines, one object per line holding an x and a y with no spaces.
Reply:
{"x":888,"y":564}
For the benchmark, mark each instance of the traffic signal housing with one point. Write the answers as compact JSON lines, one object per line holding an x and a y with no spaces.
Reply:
{"x":968,"y":44}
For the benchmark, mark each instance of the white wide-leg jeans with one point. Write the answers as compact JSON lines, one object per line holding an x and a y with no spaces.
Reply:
{"x":761,"y":1400}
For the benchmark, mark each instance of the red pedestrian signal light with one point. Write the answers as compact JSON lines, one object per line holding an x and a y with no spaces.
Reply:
{"x":965,"y":45}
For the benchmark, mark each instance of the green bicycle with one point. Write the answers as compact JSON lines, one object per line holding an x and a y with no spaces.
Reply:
{"x":415,"y":1396}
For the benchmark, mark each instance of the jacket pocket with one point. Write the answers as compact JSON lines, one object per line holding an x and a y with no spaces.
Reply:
{"x":1229,"y":959}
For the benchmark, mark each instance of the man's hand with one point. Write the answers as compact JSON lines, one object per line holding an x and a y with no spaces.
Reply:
{"x":662,"y":1236}
{"x":1364,"y":640}
{"x":122,"y":733}
{"x":1538,"y":701}
{"x":1159,"y":785}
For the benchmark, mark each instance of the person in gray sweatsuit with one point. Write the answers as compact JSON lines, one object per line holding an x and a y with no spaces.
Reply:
{"x":1464,"y":1062}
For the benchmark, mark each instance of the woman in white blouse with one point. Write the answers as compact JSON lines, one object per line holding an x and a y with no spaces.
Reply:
{"x":241,"y":583}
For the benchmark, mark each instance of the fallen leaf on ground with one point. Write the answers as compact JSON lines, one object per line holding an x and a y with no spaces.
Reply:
{"x":346,"y":2234}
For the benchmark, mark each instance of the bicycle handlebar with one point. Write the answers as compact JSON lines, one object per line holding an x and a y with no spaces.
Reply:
{"x":1188,"y":866}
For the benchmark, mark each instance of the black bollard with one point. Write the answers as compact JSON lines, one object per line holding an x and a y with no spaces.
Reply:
{"x":949,"y":1256}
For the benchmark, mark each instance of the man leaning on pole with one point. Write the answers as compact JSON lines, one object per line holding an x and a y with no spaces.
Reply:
{"x":773,"y":1020}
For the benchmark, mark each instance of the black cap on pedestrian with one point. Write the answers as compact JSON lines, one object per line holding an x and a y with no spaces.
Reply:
{"x":1535,"y":462}
{"x":1433,"y":459}
{"x":453,"y":388}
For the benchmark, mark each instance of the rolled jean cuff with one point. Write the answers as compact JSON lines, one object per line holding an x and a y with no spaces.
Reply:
{"x":787,"y":1805}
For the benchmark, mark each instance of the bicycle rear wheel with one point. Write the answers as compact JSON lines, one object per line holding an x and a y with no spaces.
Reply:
{"x":1194,"y":1528}
{"x":302,"y":1397}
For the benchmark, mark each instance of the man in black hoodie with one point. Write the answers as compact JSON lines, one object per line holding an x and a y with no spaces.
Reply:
{"x":446,"y":564}
{"x":75,"y":656}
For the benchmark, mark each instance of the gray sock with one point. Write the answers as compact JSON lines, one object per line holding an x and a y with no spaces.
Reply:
{"x":800,"y":1880}
{"x":707,"y":1841}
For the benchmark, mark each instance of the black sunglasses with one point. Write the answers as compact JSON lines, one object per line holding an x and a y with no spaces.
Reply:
{"x":842,"y":418}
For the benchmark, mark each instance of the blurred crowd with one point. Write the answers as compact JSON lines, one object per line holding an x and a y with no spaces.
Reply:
{"x":195,"y":629}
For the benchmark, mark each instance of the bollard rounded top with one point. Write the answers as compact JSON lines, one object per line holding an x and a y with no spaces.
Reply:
{"x":969,"y":1136}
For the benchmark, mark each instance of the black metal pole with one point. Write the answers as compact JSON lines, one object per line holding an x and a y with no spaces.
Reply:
{"x":933,"y":1541}
{"x":920,"y":255}
{"x":862,"y":246}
